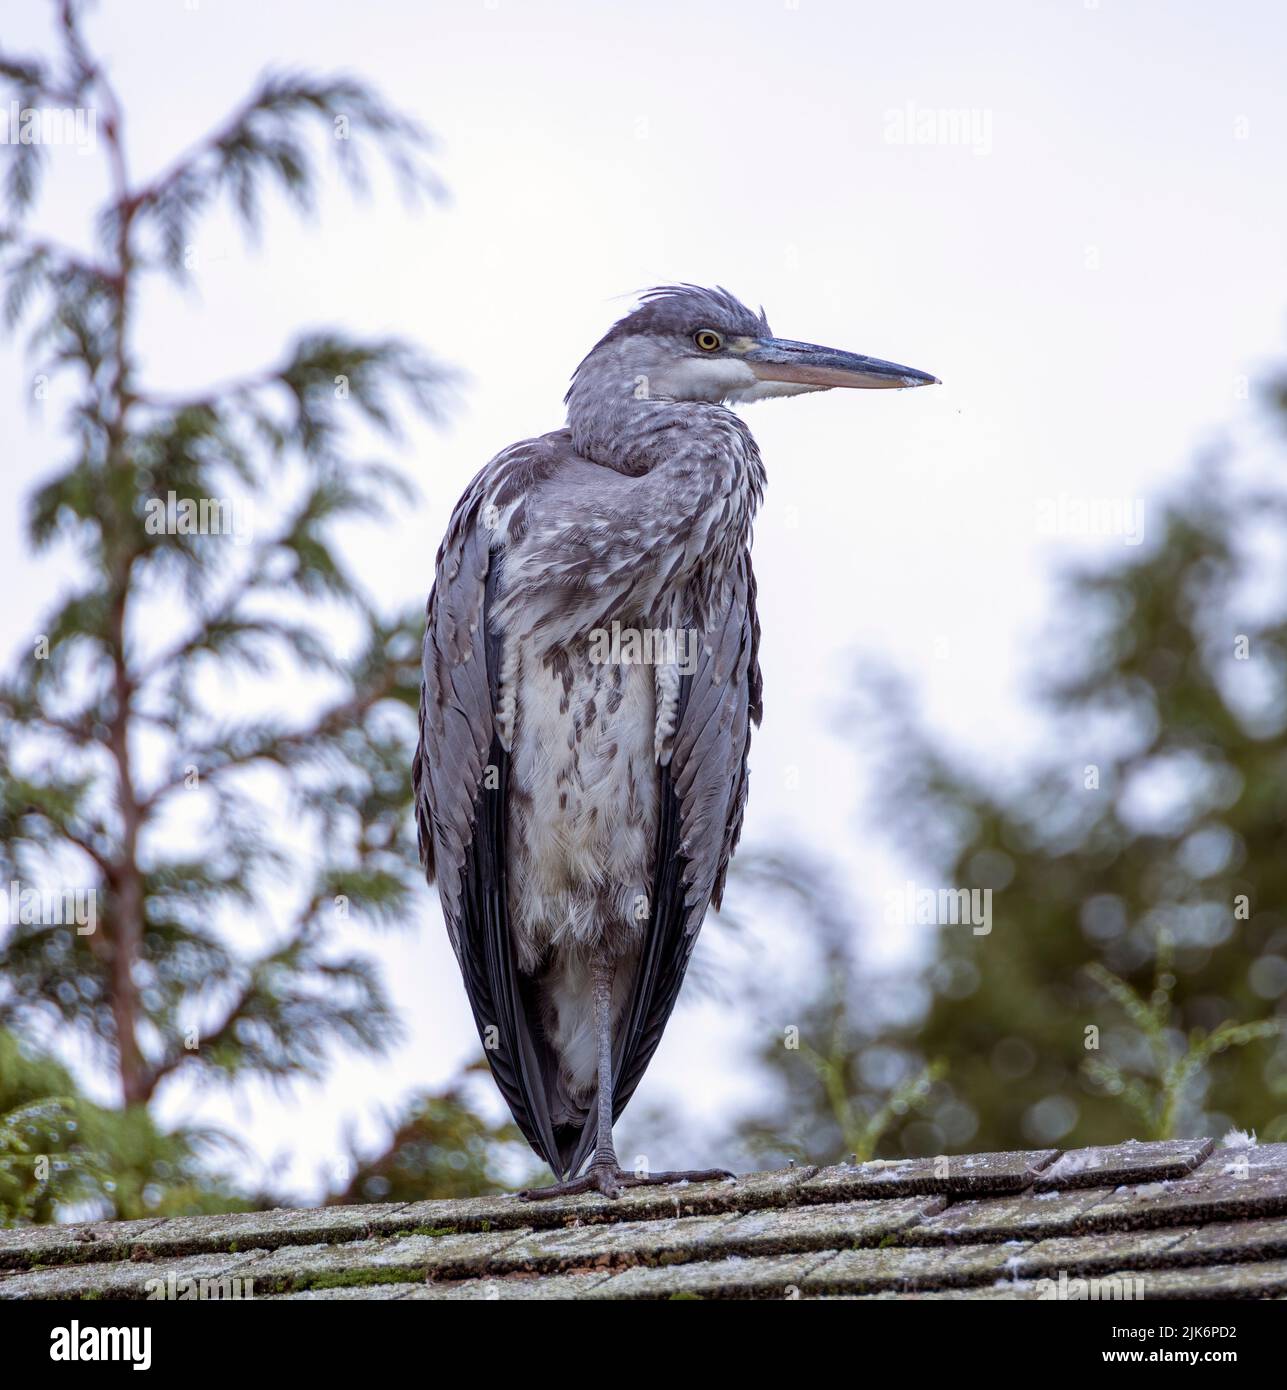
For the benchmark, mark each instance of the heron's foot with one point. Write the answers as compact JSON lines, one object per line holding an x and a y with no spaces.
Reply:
{"x":677,"y":1176}
{"x":604,"y":1178}
{"x":610,"y":1180}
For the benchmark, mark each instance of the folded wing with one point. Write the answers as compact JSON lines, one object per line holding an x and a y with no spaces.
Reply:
{"x":460,"y":776}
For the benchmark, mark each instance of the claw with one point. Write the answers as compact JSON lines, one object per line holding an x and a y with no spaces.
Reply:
{"x":597,"y":1178}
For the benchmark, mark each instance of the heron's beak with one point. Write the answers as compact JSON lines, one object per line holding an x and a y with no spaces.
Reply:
{"x":807,"y":365}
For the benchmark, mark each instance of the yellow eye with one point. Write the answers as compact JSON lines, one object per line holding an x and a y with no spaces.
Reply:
{"x":707,"y":339}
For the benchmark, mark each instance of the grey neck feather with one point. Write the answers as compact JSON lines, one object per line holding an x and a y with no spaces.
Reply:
{"x":620,"y":420}
{"x":614,"y":419}
{"x":700,"y":478}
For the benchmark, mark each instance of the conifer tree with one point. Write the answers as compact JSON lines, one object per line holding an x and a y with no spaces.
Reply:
{"x":227,"y":844}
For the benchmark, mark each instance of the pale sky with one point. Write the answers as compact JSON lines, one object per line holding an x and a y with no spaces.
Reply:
{"x":1084,"y":240}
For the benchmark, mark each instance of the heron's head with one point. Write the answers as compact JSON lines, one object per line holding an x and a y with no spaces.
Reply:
{"x":691,"y":344}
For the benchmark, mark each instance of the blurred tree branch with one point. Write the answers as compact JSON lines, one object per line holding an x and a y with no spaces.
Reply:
{"x":116,"y":708}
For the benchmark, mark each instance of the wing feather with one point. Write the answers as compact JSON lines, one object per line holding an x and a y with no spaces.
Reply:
{"x":462,"y":819}
{"x":461,"y":812}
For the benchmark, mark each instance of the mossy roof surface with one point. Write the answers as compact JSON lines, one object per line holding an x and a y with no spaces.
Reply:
{"x":1141,"y":1220}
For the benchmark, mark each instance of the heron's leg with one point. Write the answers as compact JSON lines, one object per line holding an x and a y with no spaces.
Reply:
{"x":605,"y":1174}
{"x":603,"y":970}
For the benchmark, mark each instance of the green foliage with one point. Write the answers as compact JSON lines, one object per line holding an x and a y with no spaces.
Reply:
{"x":37,"y":1122}
{"x":440,"y":1147}
{"x":229,"y":858}
{"x":863,"y":1127}
{"x":1161,"y":814}
{"x":134,"y":1168}
{"x":839,"y":1084}
{"x":1137,"y":870}
{"x":1155,"y":1098}
{"x":60,"y":1153}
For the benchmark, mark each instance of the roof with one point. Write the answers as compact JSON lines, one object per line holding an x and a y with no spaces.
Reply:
{"x":1186,"y":1219}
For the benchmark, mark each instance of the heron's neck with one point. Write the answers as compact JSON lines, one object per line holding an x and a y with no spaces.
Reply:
{"x":629,"y":437}
{"x":617,"y":423}
{"x":699,"y":483}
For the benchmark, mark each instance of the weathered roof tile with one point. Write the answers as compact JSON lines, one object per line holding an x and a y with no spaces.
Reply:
{"x":1027,"y":1216}
{"x":85,"y":1242}
{"x":1206,"y":1196}
{"x":411,"y":1259}
{"x":831,"y":1226}
{"x":509,"y":1287}
{"x":946,"y":1175}
{"x":122,"y":1278}
{"x":1118,"y":1163}
{"x":666,"y":1240}
{"x":769,"y":1276}
{"x":1229,"y":1241}
{"x":910,"y":1267}
{"x":1178,"y":1219}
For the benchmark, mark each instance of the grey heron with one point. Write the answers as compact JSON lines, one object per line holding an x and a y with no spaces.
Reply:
{"x":590,"y":679}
